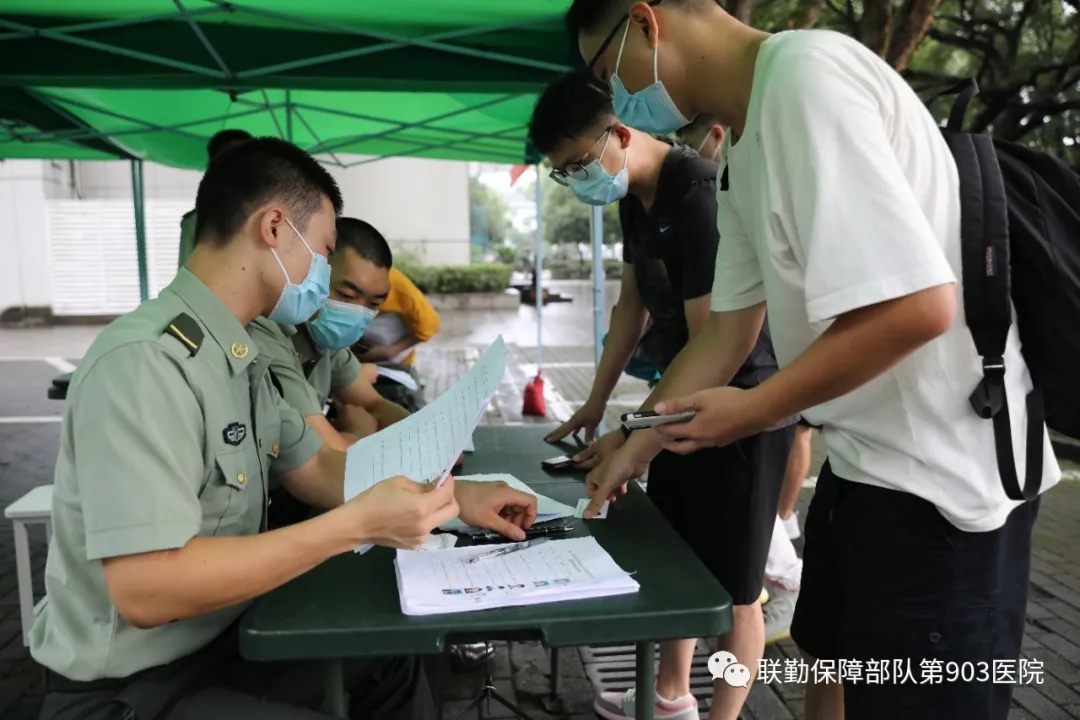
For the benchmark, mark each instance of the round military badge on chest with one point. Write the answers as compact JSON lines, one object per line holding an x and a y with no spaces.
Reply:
{"x":239,"y":351}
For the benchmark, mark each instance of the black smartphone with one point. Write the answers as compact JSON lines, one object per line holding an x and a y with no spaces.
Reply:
{"x":650,"y":419}
{"x":562,"y":462}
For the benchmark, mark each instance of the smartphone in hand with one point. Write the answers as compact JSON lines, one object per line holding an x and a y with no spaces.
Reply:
{"x":650,"y":419}
{"x":562,"y":462}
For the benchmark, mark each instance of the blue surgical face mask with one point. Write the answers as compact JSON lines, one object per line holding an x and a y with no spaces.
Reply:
{"x":299,"y":302}
{"x":651,"y":109}
{"x":599,"y":187}
{"x":340,"y":324}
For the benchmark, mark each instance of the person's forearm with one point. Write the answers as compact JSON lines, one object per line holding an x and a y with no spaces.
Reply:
{"x":386,"y":413}
{"x":710,"y":359}
{"x":627,"y":322}
{"x":323,"y":486}
{"x":855,"y":349}
{"x":213,"y":573}
{"x":327,"y":432}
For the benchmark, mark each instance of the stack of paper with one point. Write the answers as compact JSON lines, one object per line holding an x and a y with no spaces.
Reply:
{"x":399,"y":376}
{"x":425,"y":445}
{"x":444,"y":581}
{"x":546,"y":508}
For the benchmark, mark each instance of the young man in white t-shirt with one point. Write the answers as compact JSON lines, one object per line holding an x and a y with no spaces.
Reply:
{"x":839,"y":207}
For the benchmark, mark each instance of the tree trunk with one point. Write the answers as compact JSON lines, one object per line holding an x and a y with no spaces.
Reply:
{"x":807,"y":14}
{"x":912,"y":29}
{"x":741,"y":10}
{"x":875,"y":25}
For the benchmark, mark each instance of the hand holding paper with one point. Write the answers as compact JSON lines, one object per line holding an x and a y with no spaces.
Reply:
{"x":496,"y":506}
{"x":425,"y":445}
{"x":399,"y":512}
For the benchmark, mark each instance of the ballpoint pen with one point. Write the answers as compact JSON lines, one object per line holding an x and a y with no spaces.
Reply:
{"x":508,"y":549}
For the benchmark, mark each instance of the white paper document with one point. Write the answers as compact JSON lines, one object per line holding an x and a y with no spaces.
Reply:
{"x":424,"y":446}
{"x":444,"y":581}
{"x":583,"y":504}
{"x":400,"y":377}
{"x":546,"y":508}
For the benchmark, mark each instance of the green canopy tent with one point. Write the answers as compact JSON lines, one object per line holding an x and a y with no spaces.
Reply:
{"x":153,"y":80}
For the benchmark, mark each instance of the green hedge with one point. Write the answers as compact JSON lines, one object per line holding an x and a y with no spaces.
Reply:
{"x":453,"y":279}
{"x":578,"y":270}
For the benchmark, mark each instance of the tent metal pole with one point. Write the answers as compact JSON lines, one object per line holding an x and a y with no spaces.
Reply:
{"x":113,"y":49}
{"x":539,"y":274}
{"x":403,"y":126}
{"x":288,"y":116}
{"x":390,"y":40}
{"x":87,"y":134}
{"x":439,"y":146}
{"x":598,"y":281}
{"x":150,"y":127}
{"x":137,"y":192}
{"x":194,"y":25}
{"x":113,"y":24}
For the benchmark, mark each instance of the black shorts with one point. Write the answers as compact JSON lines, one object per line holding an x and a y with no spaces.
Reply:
{"x":722,"y":502}
{"x":887,"y":578}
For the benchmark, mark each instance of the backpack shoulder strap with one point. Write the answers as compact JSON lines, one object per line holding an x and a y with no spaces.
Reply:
{"x":984,"y":250}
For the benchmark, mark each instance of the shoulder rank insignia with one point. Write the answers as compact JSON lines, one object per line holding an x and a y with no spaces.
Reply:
{"x":185,"y":329}
{"x":234,"y":433}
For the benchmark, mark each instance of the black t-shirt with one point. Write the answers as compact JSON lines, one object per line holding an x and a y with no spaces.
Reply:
{"x":672,"y":249}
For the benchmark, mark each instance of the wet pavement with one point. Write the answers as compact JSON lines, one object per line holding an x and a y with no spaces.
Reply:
{"x":29,"y":438}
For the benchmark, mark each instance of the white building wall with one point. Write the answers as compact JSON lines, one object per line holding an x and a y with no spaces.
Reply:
{"x":25,"y":279}
{"x":421,"y":206}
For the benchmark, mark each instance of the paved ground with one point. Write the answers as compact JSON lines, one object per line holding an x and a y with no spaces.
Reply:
{"x":29,"y":437}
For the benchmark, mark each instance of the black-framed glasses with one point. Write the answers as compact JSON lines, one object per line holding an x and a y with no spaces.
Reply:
{"x":611,"y":36}
{"x":577,"y":170}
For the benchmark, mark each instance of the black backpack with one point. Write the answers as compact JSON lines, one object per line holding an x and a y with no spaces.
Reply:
{"x":1020,"y":241}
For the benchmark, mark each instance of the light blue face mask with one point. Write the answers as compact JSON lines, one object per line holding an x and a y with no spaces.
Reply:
{"x":340,"y":324}
{"x":299,"y":302}
{"x":599,"y":187}
{"x":651,"y":109}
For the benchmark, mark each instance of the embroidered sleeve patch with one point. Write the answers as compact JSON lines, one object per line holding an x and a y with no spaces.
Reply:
{"x":234,"y":433}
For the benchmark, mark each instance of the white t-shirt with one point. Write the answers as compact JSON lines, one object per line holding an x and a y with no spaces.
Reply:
{"x":841,"y":194}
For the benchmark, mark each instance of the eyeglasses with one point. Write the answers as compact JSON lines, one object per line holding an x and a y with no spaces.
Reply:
{"x":577,"y":170}
{"x":611,"y":36}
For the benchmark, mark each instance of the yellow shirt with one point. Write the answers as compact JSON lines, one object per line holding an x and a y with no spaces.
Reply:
{"x":405,"y":309}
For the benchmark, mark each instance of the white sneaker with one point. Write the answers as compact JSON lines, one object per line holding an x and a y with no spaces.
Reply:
{"x":791,"y":525}
{"x":779,"y":613}
{"x":621,"y":705}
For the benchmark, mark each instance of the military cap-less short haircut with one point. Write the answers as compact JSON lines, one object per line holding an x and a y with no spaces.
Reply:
{"x":363,"y":239}
{"x":600,"y":16}
{"x":696,"y":130}
{"x":570,"y":108}
{"x":253,"y":173}
{"x":224,"y":140}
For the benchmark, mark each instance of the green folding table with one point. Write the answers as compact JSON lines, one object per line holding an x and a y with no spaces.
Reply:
{"x":349,"y":607}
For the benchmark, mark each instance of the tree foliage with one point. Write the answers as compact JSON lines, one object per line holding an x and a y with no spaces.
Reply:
{"x":1024,"y":54}
{"x":489,"y":215}
{"x":567,"y":220}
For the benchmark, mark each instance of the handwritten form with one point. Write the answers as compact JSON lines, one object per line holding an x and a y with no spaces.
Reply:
{"x":430,"y":583}
{"x":424,"y":446}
